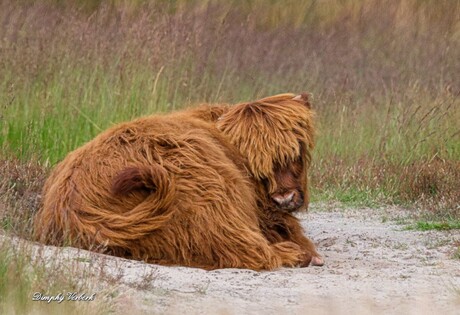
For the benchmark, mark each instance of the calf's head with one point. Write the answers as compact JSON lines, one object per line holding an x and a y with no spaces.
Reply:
{"x":276,"y":135}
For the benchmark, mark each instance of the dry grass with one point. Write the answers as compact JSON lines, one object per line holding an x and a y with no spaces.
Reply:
{"x":384,"y":76}
{"x":25,"y":271}
{"x":20,"y":188}
{"x":434,"y":184}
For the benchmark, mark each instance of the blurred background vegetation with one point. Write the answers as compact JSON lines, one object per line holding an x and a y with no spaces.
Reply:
{"x":385,"y":76}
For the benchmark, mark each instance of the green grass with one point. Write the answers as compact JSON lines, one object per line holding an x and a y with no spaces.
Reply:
{"x":456,"y":255}
{"x":383,"y":80}
{"x":350,"y":196}
{"x":441,"y":226}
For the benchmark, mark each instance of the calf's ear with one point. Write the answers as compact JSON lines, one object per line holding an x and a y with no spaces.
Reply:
{"x":303,"y":98}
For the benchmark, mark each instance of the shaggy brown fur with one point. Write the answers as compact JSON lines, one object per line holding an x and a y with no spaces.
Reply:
{"x":177,"y":190}
{"x":276,"y":134}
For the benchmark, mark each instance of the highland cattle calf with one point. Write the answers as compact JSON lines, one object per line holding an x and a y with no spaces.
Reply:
{"x":211,"y":187}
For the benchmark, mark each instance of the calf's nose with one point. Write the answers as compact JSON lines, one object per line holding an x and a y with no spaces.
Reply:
{"x":284,"y":199}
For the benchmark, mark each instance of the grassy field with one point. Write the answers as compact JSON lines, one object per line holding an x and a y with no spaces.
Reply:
{"x":385,"y":80}
{"x":385,"y":76}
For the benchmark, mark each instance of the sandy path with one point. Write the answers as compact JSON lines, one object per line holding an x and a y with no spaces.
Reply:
{"x":372,"y":266}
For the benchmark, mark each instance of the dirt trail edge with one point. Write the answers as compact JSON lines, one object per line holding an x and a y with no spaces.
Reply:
{"x":373,"y":265}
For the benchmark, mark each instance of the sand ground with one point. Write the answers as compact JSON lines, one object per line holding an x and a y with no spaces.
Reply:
{"x":373,"y":266}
